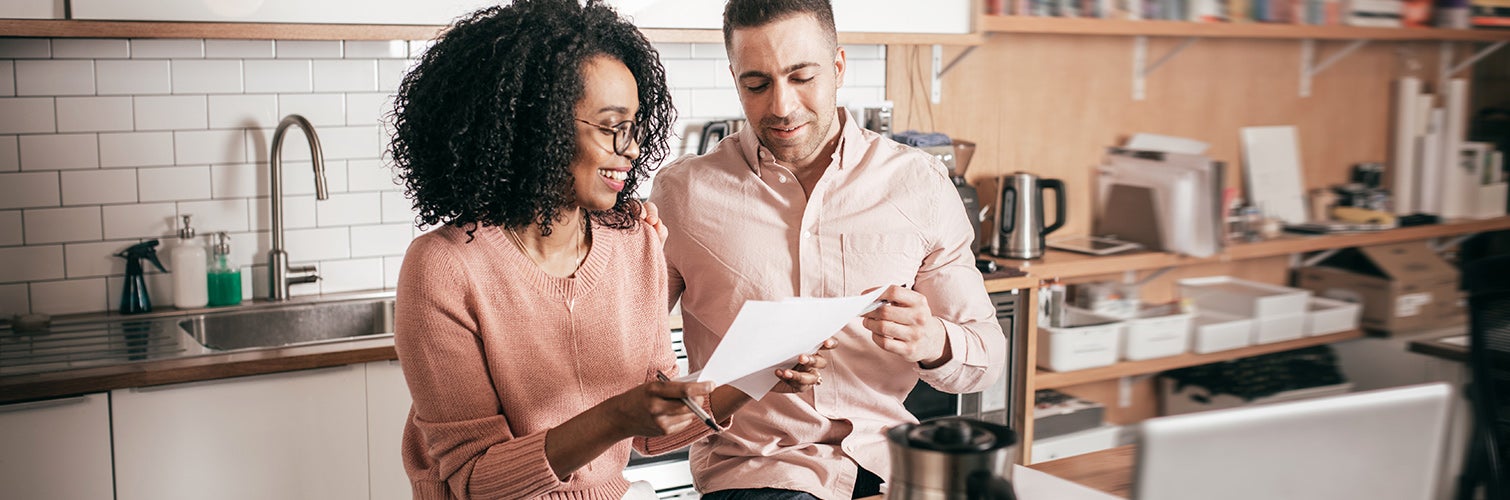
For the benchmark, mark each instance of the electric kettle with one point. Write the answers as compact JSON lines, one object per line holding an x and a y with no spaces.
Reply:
{"x":716,"y":131}
{"x":951,"y":458}
{"x":1019,"y":215}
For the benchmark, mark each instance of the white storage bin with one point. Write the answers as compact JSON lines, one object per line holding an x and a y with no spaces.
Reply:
{"x":1089,"y":341}
{"x":1332,"y":316}
{"x":1154,"y":335}
{"x":1215,"y":331}
{"x":1278,"y":312}
{"x":1076,"y":443}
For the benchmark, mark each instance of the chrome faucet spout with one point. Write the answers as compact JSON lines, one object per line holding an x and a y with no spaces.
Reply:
{"x":280,"y":274}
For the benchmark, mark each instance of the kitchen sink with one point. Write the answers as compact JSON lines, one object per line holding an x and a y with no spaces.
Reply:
{"x":291,"y":324}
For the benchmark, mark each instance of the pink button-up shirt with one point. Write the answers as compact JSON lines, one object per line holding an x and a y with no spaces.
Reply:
{"x":741,"y":228}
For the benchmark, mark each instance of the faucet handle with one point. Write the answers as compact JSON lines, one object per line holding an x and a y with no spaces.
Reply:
{"x":302,"y":274}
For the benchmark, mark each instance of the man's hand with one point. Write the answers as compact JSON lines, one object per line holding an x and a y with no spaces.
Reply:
{"x":807,"y":372}
{"x":905,"y":326}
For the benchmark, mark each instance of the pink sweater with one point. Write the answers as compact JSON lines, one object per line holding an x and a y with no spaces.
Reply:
{"x":496,"y":352}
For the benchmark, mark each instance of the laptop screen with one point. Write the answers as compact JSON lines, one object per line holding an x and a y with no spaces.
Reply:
{"x":1377,"y":445}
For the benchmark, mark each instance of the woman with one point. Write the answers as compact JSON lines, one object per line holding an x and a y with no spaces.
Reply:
{"x":531,"y":324}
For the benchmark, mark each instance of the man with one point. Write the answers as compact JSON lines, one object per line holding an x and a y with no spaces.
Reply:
{"x":805,"y":203}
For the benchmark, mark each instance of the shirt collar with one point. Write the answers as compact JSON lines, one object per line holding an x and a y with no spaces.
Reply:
{"x":848,"y":153}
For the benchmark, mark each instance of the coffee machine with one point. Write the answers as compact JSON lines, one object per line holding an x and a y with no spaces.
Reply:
{"x":956,"y":158}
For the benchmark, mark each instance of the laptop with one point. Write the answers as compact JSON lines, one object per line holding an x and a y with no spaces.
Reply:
{"x":1377,"y":445}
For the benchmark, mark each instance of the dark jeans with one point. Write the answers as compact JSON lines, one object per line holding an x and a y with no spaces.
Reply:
{"x":867,"y":484}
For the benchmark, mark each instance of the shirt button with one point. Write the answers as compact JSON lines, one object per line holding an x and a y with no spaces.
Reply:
{"x":781,"y":178}
{"x":807,"y":234}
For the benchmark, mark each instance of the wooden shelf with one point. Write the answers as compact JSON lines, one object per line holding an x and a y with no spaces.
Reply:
{"x":1057,"y":264}
{"x":287,"y":31}
{"x":1045,"y":379}
{"x":1116,"y":27}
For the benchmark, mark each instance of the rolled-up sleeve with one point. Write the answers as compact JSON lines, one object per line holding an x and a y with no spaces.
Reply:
{"x":957,"y":295}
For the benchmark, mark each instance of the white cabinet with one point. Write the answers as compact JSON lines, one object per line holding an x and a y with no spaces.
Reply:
{"x":280,"y":11}
{"x":388,"y":404}
{"x":295,"y":435}
{"x":860,"y":16}
{"x":56,"y":449}
{"x":32,"y":9}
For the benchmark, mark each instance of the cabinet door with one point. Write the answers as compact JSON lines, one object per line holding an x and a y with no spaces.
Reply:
{"x":280,"y":11}
{"x":387,"y":411}
{"x":56,"y":449}
{"x":902,"y":16}
{"x":295,"y":435}
{"x":863,"y":16}
{"x":32,"y":9}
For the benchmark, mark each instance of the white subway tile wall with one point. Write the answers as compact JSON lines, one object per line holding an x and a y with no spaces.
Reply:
{"x":107,"y":142}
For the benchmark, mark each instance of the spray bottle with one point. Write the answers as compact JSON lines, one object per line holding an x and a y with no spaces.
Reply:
{"x":134,"y":298}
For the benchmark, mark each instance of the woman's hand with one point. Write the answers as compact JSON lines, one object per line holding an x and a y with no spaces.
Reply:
{"x":655,"y":408}
{"x":649,"y":214}
{"x":807,"y":373}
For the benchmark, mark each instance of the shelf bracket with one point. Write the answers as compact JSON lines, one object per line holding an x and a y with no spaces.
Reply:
{"x":940,"y":68}
{"x":1141,"y":68}
{"x":1443,"y":244}
{"x":1318,"y":257}
{"x":1308,"y":66}
{"x":1448,"y":68}
{"x":1130,"y":277}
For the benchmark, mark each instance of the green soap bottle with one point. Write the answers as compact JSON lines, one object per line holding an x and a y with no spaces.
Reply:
{"x":225,"y":280}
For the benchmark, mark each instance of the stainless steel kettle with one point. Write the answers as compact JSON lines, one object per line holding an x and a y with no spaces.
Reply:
{"x":1019,"y":215}
{"x":951,"y":458}
{"x":716,"y":131}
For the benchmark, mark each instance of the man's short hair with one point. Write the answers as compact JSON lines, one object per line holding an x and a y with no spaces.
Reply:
{"x":755,"y":13}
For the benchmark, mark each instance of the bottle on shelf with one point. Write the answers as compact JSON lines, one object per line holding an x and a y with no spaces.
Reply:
{"x":224,"y":279}
{"x":190,"y":288}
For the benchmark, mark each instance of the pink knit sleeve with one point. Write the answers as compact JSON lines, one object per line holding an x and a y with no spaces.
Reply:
{"x":665,"y":361}
{"x":464,"y":431}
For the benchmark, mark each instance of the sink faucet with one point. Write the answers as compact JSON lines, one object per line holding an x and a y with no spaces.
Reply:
{"x":280,"y":274}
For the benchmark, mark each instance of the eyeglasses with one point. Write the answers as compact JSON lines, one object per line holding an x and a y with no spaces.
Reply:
{"x":624,"y":133}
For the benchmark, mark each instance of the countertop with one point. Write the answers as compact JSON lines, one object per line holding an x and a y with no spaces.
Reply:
{"x":193,"y":365}
{"x":34,"y":386}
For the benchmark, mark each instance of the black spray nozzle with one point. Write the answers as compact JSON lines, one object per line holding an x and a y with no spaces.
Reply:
{"x":144,"y":250}
{"x":134,"y":298}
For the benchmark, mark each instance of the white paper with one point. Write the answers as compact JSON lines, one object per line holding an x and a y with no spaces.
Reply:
{"x":1167,"y":144}
{"x":1407,"y":92}
{"x":1271,"y":161}
{"x":1456,"y":193}
{"x":1032,"y":484}
{"x":766,"y":335}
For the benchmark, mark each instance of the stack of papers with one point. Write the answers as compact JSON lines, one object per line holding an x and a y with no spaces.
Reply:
{"x":1150,"y":196}
{"x":766,"y":335}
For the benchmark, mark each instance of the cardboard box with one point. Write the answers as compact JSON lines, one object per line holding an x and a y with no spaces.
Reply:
{"x":1403,"y":287}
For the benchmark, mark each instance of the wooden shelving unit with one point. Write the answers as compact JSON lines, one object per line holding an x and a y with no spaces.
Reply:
{"x":1115,"y":27}
{"x":289,"y":31}
{"x":1046,"y":379}
{"x":1057,"y":264}
{"x":1065,"y":265}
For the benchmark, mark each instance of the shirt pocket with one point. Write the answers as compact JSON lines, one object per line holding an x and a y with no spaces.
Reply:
{"x":876,"y":259}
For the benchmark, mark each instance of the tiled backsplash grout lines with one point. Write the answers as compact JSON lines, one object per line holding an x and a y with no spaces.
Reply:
{"x":104,"y":143}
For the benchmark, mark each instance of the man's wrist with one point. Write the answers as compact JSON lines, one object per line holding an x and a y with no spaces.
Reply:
{"x":944,"y":353}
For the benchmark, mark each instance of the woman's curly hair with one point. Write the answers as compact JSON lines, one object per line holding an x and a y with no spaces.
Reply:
{"x":484,"y":126}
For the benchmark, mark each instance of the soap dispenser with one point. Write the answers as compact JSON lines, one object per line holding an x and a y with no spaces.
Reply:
{"x":134,"y":297}
{"x":190,"y":285}
{"x":225,"y":280}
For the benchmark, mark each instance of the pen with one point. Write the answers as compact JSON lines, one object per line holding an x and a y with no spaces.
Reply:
{"x":878,"y":303}
{"x":696,"y":410}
